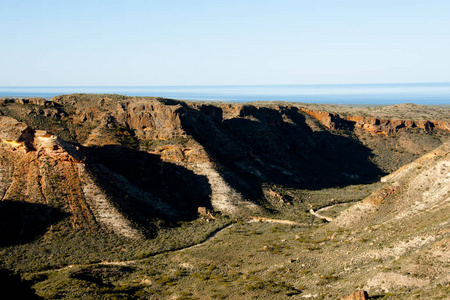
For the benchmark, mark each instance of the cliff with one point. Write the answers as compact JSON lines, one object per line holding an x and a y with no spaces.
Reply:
{"x":379,"y":126}
{"x":140,"y":157}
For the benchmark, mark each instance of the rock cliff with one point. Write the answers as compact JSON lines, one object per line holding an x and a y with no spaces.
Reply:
{"x":379,"y":126}
{"x":163,"y":158}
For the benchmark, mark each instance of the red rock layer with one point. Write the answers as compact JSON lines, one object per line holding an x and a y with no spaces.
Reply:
{"x":374,"y":125}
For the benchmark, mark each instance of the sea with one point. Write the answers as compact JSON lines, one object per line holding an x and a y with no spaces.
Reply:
{"x":344,"y":94}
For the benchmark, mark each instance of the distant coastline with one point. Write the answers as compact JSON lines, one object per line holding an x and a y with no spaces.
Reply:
{"x":357,"y":94}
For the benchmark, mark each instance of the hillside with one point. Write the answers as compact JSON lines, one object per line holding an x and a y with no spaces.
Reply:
{"x":88,"y":180}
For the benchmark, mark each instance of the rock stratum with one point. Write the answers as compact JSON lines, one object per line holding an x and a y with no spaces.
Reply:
{"x":386,"y":127}
{"x":129,"y":168}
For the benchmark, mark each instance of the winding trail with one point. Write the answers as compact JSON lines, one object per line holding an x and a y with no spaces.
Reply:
{"x":211,"y":236}
{"x":318,"y":215}
{"x":268,"y":220}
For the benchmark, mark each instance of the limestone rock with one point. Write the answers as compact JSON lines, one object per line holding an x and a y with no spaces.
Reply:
{"x":357,"y":295}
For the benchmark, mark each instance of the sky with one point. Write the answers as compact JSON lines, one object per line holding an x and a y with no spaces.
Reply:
{"x":244,"y":42}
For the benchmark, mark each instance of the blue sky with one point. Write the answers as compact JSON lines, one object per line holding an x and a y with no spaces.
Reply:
{"x":154,"y":43}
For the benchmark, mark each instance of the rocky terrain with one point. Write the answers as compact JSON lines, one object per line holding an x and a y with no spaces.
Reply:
{"x":105,"y":195}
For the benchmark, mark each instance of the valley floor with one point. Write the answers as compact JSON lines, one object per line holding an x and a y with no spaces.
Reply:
{"x":258,"y":259}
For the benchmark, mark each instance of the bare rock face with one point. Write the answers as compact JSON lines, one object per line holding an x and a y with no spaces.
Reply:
{"x":379,"y":196}
{"x":20,"y":136}
{"x":44,"y":181}
{"x":52,"y":175}
{"x":16,"y":134}
{"x":150,"y":119}
{"x":374,"y":125}
{"x":389,"y":127}
{"x":357,"y":295}
{"x":329,"y":120}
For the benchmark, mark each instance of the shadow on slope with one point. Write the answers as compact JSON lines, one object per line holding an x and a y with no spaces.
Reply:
{"x":12,"y":287}
{"x":148,"y":189}
{"x":276,"y":146}
{"x":22,"y":222}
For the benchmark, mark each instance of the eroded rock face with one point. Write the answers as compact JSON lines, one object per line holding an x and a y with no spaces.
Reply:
{"x":357,"y":295}
{"x":16,"y":134}
{"x":20,"y":136}
{"x":250,"y":144}
{"x":179,"y":155}
{"x":379,"y":196}
{"x":374,"y":125}
{"x":329,"y":120}
{"x":389,"y":127}
{"x":150,"y":119}
{"x":257,"y":142}
{"x":66,"y":182}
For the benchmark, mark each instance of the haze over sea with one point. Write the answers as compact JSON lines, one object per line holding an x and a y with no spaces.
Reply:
{"x":348,"y":94}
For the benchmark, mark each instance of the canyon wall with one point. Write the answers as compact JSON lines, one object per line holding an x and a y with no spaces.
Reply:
{"x":374,"y":125}
{"x":148,"y":159}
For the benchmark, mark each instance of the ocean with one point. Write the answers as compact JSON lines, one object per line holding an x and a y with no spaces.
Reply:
{"x":347,"y":94}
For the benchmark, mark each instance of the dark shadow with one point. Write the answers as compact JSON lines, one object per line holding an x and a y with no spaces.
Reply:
{"x":97,"y":275}
{"x":27,"y":138}
{"x":22,"y":222}
{"x":139,"y":182}
{"x":12,"y":287}
{"x":276,"y":146}
{"x":91,"y":279}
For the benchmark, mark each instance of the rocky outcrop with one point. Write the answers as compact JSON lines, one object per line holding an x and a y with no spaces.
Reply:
{"x":329,"y":120}
{"x":43,"y":177}
{"x":20,"y":136}
{"x":374,"y":125}
{"x":357,"y":295}
{"x":16,"y":134}
{"x":389,"y":127}
{"x":35,"y":101}
{"x":150,"y":119}
{"x":379,"y":196}
{"x":40,"y":168}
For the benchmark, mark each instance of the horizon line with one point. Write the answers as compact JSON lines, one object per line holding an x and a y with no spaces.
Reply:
{"x":232,"y":85}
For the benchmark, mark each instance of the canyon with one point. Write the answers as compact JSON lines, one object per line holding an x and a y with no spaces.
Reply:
{"x":87,"y":180}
